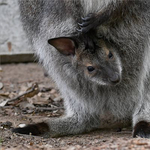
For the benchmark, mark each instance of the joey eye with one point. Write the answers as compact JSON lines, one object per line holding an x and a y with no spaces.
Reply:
{"x":90,"y":68}
{"x":110,"y":55}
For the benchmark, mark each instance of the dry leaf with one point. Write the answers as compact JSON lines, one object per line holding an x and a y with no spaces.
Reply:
{"x":5,"y":94}
{"x":40,"y":100}
{"x":26,"y":105}
{"x":2,"y":104}
{"x":34,"y":91}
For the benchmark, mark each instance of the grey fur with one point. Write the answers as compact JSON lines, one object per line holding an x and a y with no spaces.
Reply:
{"x":90,"y":104}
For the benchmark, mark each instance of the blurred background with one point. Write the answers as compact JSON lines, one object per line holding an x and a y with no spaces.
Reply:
{"x":14,"y":46}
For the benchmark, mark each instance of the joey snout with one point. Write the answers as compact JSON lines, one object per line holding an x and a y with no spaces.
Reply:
{"x":103,"y":76}
{"x":111,"y":75}
{"x":112,"y":79}
{"x":115,"y":78}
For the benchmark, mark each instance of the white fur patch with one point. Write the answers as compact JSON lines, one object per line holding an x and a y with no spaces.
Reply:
{"x":93,"y":6}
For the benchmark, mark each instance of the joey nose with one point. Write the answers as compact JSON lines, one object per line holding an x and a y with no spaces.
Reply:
{"x":115,"y":78}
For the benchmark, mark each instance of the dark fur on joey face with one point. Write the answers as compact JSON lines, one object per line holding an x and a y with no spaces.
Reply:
{"x":102,"y":67}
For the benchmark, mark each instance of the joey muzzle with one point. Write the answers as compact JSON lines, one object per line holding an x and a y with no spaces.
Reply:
{"x":115,"y":78}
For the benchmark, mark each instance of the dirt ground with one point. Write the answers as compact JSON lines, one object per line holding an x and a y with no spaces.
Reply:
{"x":27,"y":96}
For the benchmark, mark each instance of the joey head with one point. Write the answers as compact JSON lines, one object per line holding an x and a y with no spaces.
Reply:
{"x":103,"y":66}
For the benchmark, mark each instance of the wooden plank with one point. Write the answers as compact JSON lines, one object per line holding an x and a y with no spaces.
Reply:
{"x":17,"y":58}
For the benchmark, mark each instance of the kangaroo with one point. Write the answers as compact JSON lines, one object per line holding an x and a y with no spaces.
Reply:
{"x":102,"y":70}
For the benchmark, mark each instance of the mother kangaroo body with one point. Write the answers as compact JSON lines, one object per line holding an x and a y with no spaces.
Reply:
{"x":102,"y":72}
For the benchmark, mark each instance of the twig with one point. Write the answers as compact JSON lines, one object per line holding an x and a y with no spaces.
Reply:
{"x":6,"y":107}
{"x":48,"y":109}
{"x":46,"y":89}
{"x":34,"y":88}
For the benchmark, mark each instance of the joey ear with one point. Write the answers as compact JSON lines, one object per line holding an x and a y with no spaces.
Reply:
{"x":64,"y":45}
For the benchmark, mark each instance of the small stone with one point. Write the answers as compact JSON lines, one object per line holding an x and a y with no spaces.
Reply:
{"x":39,"y":94}
{"x":6,"y":124}
{"x":1,"y":85}
{"x":22,"y":125}
{"x":1,"y":69}
{"x":62,"y":143}
{"x":57,"y":99}
{"x":52,"y":91}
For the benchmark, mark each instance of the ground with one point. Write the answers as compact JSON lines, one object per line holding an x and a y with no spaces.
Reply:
{"x":27,"y":96}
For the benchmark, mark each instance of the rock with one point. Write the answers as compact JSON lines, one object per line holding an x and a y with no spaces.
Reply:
{"x":6,"y":124}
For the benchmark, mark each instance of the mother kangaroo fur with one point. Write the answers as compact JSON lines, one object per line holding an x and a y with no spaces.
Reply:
{"x":89,"y":104}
